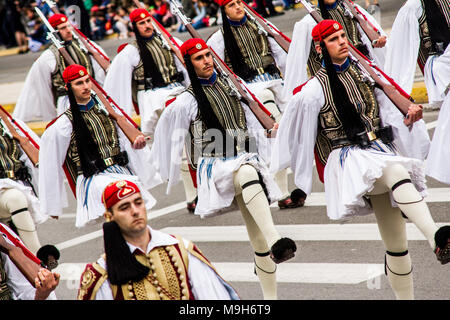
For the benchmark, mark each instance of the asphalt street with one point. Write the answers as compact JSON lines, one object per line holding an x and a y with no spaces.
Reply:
{"x":336,"y":260}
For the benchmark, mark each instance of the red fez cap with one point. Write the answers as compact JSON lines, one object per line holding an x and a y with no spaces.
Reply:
{"x":139,"y":14}
{"x":222,"y":2}
{"x":118,"y":190}
{"x":193,"y":46}
{"x":57,"y":19}
{"x":325,"y":28}
{"x":73,"y":72}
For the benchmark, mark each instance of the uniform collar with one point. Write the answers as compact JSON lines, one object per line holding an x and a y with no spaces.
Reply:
{"x":158,"y":239}
{"x":339,"y":68}
{"x":149,"y":38}
{"x":210,"y":81}
{"x":88,"y":106}
{"x":238,"y":23}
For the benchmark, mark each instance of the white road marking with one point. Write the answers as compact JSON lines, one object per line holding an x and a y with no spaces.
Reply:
{"x":342,"y":273}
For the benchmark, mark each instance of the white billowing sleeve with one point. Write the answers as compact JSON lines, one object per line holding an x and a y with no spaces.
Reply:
{"x":35,"y":101}
{"x":55,"y":142}
{"x":297,"y":58}
{"x":278,"y":54}
{"x":217,"y":43}
{"x":296,"y":136}
{"x":169,"y":138}
{"x":205,"y":283}
{"x":118,"y":79}
{"x":402,"y":47}
{"x":98,"y":70}
{"x":414,"y":142}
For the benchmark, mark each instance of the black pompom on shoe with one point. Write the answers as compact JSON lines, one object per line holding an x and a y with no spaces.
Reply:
{"x":49,"y":256}
{"x":442,"y":239}
{"x":282,"y":250}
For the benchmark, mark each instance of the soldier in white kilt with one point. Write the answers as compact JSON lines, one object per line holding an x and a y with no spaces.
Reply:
{"x":222,"y":132}
{"x":368,"y":153}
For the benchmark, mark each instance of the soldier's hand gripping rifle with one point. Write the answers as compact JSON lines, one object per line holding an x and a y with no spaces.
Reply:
{"x":237,"y":84}
{"x":29,"y":146}
{"x":282,"y":40}
{"x":128,"y":126}
{"x":28,"y":264}
{"x":84,"y":42}
{"x":399,"y":98}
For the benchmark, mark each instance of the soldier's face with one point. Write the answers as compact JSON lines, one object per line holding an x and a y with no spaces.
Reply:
{"x":81,"y":88}
{"x":329,"y":2}
{"x":65,"y":31}
{"x":337,"y":46}
{"x":235,"y":10}
{"x":145,"y":27}
{"x":203,"y":63}
{"x":130,"y":214}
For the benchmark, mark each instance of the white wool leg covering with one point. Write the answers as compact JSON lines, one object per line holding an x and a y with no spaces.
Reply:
{"x":267,"y":98}
{"x":410,"y":201}
{"x":265,"y":268}
{"x":392,"y":228}
{"x":189,"y":189}
{"x":15,"y":202}
{"x":281,"y":178}
{"x":246,"y":181}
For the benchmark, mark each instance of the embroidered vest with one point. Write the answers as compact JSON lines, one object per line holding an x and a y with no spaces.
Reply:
{"x":254,"y":48}
{"x":426,"y":47}
{"x":168,"y":278}
{"x":79,"y":56}
{"x":330,"y":133}
{"x":163,"y":58}
{"x":104,"y":133}
{"x":351,"y":30}
{"x":5,"y":293}
{"x":9,"y":155}
{"x":231,"y":115}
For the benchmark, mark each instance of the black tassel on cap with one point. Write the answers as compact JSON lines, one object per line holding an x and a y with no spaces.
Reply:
{"x":348,"y":114}
{"x":323,"y":10}
{"x":234,"y":53}
{"x":121,"y":265}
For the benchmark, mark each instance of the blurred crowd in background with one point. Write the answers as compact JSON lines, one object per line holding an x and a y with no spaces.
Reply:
{"x":21,"y":27}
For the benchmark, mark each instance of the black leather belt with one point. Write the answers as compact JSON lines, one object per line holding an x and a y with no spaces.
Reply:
{"x":364,"y":139}
{"x":21,"y":174}
{"x":101,"y":164}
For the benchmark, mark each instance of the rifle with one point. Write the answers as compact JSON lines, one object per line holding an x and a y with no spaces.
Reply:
{"x":164,"y":35}
{"x":84,"y":42}
{"x":269,"y":29}
{"x":29,"y":146}
{"x":28,"y":264}
{"x":398,"y":97}
{"x":236,"y":84}
{"x":369,"y":29}
{"x":128,"y":126}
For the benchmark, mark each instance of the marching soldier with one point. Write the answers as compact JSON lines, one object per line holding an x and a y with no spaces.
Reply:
{"x":260,"y":62}
{"x":147,"y":73}
{"x":223,"y":149}
{"x":88,"y":145}
{"x":141,"y":263}
{"x":421,"y":32}
{"x":43,"y":96}
{"x":357,"y":133}
{"x":302,"y":56}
